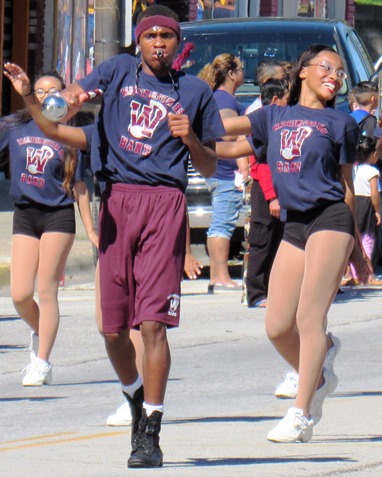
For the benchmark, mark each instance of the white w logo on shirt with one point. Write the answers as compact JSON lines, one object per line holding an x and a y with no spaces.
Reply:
{"x":292,"y":141}
{"x":145,"y":118}
{"x":37,"y":159}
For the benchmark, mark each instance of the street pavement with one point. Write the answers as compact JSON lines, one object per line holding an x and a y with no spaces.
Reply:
{"x":219,"y":403}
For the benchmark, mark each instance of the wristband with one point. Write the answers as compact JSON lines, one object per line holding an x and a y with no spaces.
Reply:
{"x":29,"y":94}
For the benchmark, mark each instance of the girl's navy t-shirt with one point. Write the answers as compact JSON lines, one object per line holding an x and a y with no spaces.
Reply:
{"x":305,"y":149}
{"x":225,"y":169}
{"x":36,"y":165}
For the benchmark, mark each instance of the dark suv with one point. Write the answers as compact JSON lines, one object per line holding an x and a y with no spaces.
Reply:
{"x":254,"y":40}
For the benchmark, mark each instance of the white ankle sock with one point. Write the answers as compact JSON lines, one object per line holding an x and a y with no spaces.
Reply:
{"x":41,"y":361}
{"x":150,"y":408}
{"x":131,"y":388}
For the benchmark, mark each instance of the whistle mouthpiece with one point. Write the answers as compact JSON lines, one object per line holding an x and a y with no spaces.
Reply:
{"x":160,"y":53}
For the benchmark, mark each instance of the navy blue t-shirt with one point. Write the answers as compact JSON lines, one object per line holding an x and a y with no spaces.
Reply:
{"x":226,"y":167}
{"x":132,"y":141}
{"x":367,"y":123}
{"x":88,"y":130}
{"x":36,"y":165}
{"x":305,"y":148}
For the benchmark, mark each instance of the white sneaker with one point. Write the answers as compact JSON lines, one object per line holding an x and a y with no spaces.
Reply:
{"x":288,"y":388}
{"x":294,"y":427}
{"x":122,"y":416}
{"x":327,"y":388}
{"x":332,"y":352}
{"x":37,"y":373}
{"x":33,"y":347}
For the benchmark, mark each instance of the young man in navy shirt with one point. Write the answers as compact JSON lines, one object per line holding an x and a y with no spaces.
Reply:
{"x":151,"y":120}
{"x":142,"y":240}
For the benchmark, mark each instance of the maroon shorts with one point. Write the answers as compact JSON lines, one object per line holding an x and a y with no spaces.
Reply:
{"x":141,"y":255}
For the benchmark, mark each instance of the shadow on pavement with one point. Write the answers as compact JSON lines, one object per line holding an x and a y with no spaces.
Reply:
{"x":30,"y":398}
{"x":203,"y":462}
{"x":359,"y":293}
{"x":207,"y":420}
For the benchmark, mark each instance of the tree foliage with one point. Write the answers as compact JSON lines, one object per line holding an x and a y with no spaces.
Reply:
{"x":376,"y":3}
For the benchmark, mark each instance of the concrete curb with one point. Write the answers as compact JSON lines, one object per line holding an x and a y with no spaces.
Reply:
{"x":5,"y":274}
{"x":80,"y":263}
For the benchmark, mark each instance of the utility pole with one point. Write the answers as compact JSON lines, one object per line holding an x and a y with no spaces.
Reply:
{"x":107,"y":29}
{"x":126,"y":25}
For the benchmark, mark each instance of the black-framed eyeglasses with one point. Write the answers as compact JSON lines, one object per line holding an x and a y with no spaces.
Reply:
{"x":40,"y":92}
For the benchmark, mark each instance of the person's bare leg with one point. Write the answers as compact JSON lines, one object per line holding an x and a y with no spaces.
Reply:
{"x":25,"y":250}
{"x":136,"y":339}
{"x":218,"y":250}
{"x":121,"y":352}
{"x":326,"y":255}
{"x":283,"y":298}
{"x":98,"y":311}
{"x":54,"y":251}
{"x":156,"y":361}
{"x":135,"y":335}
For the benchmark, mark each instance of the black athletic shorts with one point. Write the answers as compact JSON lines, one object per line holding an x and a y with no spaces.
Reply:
{"x":35,"y":220}
{"x":300,"y":226}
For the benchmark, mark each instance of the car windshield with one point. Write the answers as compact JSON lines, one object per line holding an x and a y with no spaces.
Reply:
{"x":251,"y":48}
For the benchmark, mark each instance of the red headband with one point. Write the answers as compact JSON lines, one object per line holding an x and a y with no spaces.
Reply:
{"x":157,"y":20}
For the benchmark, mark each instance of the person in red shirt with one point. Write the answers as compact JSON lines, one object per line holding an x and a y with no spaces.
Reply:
{"x":266,"y":229}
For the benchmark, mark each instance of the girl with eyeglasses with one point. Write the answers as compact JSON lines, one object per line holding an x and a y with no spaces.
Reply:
{"x":46,"y":179}
{"x":311,"y":150}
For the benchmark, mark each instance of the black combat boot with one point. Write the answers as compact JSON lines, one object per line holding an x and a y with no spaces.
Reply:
{"x":136,"y":405}
{"x":145,"y":448}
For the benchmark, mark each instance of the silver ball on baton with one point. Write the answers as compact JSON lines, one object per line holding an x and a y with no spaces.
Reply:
{"x":54,"y":107}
